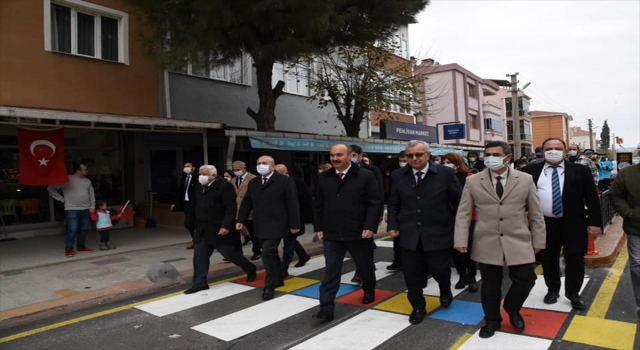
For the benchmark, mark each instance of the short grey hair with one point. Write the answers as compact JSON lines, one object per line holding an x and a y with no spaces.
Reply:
{"x":239,"y":163}
{"x":271,"y":160}
{"x":414,"y":143}
{"x":212,"y":169}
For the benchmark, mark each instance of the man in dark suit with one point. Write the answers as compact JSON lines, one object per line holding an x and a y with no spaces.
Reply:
{"x":184,"y":200}
{"x":214,"y":214}
{"x":272,"y":198}
{"x":345,"y":216}
{"x":291,"y":245}
{"x":474,"y":161}
{"x":396,"y":265}
{"x":565,"y":189}
{"x":422,"y":205}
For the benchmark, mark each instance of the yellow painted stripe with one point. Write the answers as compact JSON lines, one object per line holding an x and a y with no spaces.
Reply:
{"x":97,"y":314}
{"x":461,"y":341}
{"x":603,"y":299}
{"x":539,"y":271}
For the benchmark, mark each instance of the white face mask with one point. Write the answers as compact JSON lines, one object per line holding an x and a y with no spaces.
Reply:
{"x":320,"y":171}
{"x":187,"y":170}
{"x":238,"y":173}
{"x":262,"y":169}
{"x":553,"y":156}
{"x":354,"y":160}
{"x":472,"y":159}
{"x":203,"y":179}
{"x":573,"y":153}
{"x":227,"y":178}
{"x":494,"y":163}
{"x":403,"y":164}
{"x":450,"y":165}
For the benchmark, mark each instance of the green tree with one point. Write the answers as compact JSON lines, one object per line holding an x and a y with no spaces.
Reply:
{"x":215,"y":32}
{"x":356,"y":80}
{"x":605,"y":137}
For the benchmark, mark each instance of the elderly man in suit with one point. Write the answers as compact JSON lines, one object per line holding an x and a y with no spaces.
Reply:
{"x":565,"y":189}
{"x":241,"y":183}
{"x":501,"y":197}
{"x":184,"y":200}
{"x":214,"y":213}
{"x":345,"y":217}
{"x":273,"y":199}
{"x":421,"y":209}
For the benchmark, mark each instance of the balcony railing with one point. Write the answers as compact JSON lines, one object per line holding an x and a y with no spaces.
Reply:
{"x":523,"y":137}
{"x":523,"y":113}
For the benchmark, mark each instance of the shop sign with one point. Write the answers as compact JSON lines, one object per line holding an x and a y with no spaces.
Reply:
{"x":406,"y":131}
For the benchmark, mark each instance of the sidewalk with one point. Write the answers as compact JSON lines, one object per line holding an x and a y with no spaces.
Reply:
{"x":37,"y":280}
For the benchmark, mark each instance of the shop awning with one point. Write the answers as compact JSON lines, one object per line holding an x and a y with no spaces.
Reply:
{"x":44,"y":117}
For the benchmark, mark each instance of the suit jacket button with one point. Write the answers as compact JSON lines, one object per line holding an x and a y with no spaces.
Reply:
{"x":418,"y":210}
{"x":501,"y":234}
{"x":500,"y":219}
{"x":500,"y":203}
{"x":418,"y":197}
{"x":418,"y":223}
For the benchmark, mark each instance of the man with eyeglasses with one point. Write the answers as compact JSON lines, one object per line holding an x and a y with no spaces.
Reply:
{"x":422,"y":205}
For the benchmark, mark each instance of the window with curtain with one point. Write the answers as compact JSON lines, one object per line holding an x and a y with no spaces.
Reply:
{"x":86,"y":34}
{"x":109,"y":38}
{"x":60,"y":28}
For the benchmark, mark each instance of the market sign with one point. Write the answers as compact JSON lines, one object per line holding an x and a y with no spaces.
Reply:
{"x":406,"y":131}
{"x":454,"y":131}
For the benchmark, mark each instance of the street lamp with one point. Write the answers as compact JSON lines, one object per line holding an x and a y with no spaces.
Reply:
{"x":517,"y":148}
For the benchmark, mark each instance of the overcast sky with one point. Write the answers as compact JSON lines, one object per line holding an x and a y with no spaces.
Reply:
{"x":581,"y":57}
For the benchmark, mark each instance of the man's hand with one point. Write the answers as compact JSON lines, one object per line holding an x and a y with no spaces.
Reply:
{"x":239,"y":226}
{"x":394,"y":233}
{"x":294,"y":231}
{"x":223,"y":231}
{"x":536,"y":250}
{"x":92,"y":210}
{"x":367,"y":234}
{"x":461,"y":249}
{"x":320,"y":234}
{"x":172,"y":206}
{"x":594,"y":231}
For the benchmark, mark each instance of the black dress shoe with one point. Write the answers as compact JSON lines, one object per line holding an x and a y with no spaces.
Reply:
{"x":417,"y":316}
{"x":280,"y":283}
{"x":369,"y":297}
{"x":516,"y":320}
{"x":551,"y":298}
{"x":302,"y":262}
{"x":395,"y":267}
{"x":196,"y":288}
{"x":576,"y":301}
{"x":267,"y":294}
{"x":461,"y":282}
{"x":251,"y":276}
{"x":323,"y":315}
{"x":247,"y":240}
{"x":356,"y":279}
{"x":446,"y":299}
{"x":488,"y":330}
{"x":256,"y":256}
{"x":473,"y":284}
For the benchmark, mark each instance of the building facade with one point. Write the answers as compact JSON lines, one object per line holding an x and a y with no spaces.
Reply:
{"x":504,"y":99}
{"x":550,"y":124}
{"x":580,"y":137}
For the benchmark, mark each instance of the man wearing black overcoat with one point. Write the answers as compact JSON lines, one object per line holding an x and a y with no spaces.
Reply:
{"x":276,"y":214}
{"x":184,"y":199}
{"x":346,"y":215}
{"x":214,"y":217}
{"x":422,"y":204}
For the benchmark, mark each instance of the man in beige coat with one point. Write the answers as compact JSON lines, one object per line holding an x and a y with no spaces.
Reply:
{"x":501,"y":197}
{"x":241,"y":184}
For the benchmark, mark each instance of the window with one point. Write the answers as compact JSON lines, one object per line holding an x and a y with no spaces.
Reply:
{"x":473,"y":121}
{"x":492,"y":125}
{"x":472,"y":90}
{"x":294,"y":77}
{"x":235,"y":72}
{"x":81,"y":28}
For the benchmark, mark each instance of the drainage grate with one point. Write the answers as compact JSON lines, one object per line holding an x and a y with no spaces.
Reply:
{"x":110,"y":261}
{"x":173,"y":260}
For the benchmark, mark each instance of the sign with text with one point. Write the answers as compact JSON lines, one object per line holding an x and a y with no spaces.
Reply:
{"x":454,"y":131}
{"x":405,"y":131}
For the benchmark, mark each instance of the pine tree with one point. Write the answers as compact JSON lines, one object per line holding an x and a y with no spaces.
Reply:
{"x":605,"y":137}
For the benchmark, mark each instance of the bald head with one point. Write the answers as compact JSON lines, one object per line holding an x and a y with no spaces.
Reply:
{"x":281,"y":169}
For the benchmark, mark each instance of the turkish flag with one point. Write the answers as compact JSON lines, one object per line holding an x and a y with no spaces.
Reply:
{"x":42,"y":157}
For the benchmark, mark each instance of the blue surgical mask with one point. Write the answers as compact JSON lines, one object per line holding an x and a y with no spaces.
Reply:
{"x":354,"y":160}
{"x":494,"y":163}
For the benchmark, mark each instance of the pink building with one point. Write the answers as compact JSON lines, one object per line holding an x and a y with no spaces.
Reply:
{"x":453,"y":94}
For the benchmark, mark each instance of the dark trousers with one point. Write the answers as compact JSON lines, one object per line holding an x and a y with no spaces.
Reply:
{"x":190,"y":225}
{"x":104,"y":236}
{"x":291,"y":247}
{"x":416,"y":266}
{"x":361,"y":252}
{"x":523,"y":278}
{"x":202,"y":254}
{"x":550,"y":257}
{"x":462,"y":261}
{"x":271,"y":261}
{"x":397,"y":251}
{"x":256,"y":248}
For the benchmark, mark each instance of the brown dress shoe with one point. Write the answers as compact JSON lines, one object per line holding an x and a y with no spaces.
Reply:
{"x":191,"y":246}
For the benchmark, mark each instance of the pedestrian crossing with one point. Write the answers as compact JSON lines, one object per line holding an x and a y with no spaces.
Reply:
{"x":358,"y":326}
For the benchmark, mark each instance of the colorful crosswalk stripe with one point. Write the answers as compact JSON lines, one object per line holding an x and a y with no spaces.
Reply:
{"x":536,"y":297}
{"x":505,"y":341}
{"x":381,"y":272}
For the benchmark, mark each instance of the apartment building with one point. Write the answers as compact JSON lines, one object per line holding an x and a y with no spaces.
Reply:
{"x":581,"y":138}
{"x":504,"y":98}
{"x":550,"y":124}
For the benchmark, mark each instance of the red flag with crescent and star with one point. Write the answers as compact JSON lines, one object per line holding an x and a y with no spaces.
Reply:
{"x":42,"y":157}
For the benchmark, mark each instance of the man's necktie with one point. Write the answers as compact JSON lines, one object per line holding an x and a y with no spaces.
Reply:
{"x":418,"y":178}
{"x":340,"y":175}
{"x":186,"y":187}
{"x":557,"y":193}
{"x":239,"y":181}
{"x":264,"y":180}
{"x":499,"y":188}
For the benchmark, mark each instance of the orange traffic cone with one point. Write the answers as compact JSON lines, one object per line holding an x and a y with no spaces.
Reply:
{"x":591,"y":250}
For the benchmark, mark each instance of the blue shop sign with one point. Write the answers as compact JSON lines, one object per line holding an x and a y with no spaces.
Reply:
{"x":405,"y":131}
{"x":454,"y":131}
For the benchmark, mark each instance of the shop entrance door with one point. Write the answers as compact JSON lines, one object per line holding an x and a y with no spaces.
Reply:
{"x":164,"y":180}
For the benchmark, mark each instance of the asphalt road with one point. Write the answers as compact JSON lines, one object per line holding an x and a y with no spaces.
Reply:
{"x":232,"y":315}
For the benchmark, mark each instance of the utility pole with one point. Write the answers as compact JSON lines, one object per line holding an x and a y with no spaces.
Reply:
{"x":613,"y":145}
{"x":515,"y":112}
{"x":590,"y":133}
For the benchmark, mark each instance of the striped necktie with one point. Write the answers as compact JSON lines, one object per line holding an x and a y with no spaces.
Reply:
{"x":557,"y":193}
